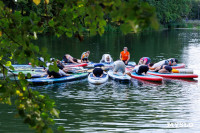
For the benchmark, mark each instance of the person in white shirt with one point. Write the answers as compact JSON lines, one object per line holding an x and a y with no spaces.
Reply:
{"x":106,"y":58}
{"x":119,"y":66}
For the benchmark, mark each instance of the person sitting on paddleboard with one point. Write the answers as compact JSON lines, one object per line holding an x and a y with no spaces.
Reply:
{"x":119,"y":66}
{"x":84,"y":57}
{"x":97,"y":72}
{"x":69,"y":59}
{"x":163,"y":69}
{"x":140,"y":69}
{"x":144,"y":61}
{"x":106,"y":58}
{"x":125,"y":56}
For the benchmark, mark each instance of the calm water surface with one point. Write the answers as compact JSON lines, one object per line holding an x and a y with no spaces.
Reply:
{"x":139,"y":106}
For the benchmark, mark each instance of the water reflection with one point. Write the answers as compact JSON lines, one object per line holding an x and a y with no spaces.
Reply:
{"x":139,"y":106}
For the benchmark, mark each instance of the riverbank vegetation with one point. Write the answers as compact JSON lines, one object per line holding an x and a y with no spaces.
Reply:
{"x":177,"y":13}
{"x":174,"y":13}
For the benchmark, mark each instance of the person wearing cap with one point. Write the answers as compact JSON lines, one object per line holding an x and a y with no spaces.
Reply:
{"x":144,"y":61}
{"x":141,"y":69}
{"x":125,"y":56}
{"x":69,"y":59}
{"x":84,"y":56}
{"x":163,"y":69}
{"x":97,"y":72}
{"x":119,"y":66}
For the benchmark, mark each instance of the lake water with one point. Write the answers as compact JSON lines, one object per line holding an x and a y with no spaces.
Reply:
{"x":140,"y":106}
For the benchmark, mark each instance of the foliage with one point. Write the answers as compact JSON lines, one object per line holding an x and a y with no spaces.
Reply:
{"x":21,"y":21}
{"x":195,"y":10}
{"x":169,"y":11}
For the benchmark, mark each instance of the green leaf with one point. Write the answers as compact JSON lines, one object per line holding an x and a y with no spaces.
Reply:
{"x":11,"y":68}
{"x":8,"y":63}
{"x":69,"y":34}
{"x":28,"y":75}
{"x":55,"y":112}
{"x":51,"y":23}
{"x":49,"y":130}
{"x":44,"y":115}
{"x":36,"y":48}
{"x":61,"y":129}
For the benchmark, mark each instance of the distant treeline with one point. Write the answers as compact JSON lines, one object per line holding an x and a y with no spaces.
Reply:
{"x":194,"y":14}
{"x":174,"y":13}
{"x":170,"y":13}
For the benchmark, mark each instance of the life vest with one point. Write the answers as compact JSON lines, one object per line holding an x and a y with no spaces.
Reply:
{"x":84,"y":55}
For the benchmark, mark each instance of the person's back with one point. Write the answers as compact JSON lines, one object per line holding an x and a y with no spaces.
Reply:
{"x":141,"y":69}
{"x":144,"y":61}
{"x":53,"y":74}
{"x":160,"y":63}
{"x":66,"y":59}
{"x":69,"y":59}
{"x":98,"y":72}
{"x":119,"y":66}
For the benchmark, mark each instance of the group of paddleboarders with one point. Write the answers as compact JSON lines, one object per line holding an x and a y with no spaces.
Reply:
{"x":118,"y":65}
{"x":143,"y":66}
{"x":64,"y":70}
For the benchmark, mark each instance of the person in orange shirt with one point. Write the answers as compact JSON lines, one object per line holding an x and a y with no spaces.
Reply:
{"x":125,"y":56}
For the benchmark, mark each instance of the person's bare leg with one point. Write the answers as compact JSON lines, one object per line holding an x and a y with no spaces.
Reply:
{"x":163,"y":71}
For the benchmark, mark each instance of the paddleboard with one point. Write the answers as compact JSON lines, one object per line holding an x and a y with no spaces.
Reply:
{"x":97,"y":80}
{"x":173,"y":75}
{"x":181,"y":65}
{"x":119,"y":76}
{"x":46,"y":80}
{"x":34,"y":74}
{"x":188,"y":71}
{"x":91,"y":64}
{"x":146,"y":77}
{"x":76,"y":65}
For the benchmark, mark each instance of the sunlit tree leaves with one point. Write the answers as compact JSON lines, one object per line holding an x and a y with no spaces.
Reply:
{"x":37,"y":2}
